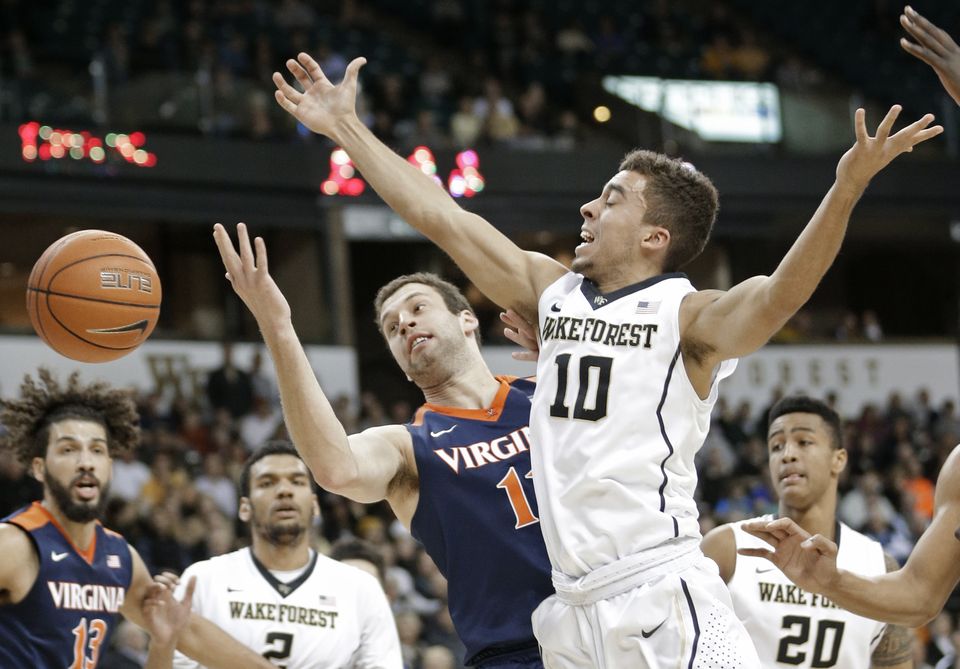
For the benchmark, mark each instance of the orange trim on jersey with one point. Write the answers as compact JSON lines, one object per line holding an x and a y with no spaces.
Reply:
{"x":37,"y":515}
{"x":492,"y":413}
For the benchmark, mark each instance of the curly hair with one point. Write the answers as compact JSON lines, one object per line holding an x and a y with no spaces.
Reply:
{"x":28,"y":419}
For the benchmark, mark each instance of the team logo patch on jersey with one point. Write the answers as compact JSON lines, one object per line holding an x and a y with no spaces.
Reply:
{"x":326,"y":600}
{"x":113,"y":561}
{"x":600,"y":300}
{"x":646,"y":307}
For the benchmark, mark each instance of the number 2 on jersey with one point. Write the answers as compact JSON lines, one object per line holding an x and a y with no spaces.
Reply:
{"x":598,"y":402}
{"x":87,"y":638}
{"x":518,"y":498}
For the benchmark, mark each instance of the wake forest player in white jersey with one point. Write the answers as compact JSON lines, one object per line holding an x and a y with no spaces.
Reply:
{"x":299,"y":609}
{"x":631,"y":358}
{"x":789,"y":626}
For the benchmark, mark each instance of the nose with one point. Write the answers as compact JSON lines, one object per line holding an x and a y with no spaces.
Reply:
{"x":587,"y":210}
{"x":85,"y":459}
{"x":789,"y":452}
{"x":406,"y":321}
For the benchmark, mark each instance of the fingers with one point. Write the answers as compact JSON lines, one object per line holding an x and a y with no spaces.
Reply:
{"x":937,"y":39}
{"x":243,"y":241}
{"x":231,"y":261}
{"x":920,"y":52}
{"x":187,"y":600}
{"x":289,"y":92}
{"x":757,"y":552}
{"x":883,"y":130}
{"x":819,"y":544}
{"x":525,"y":356}
{"x":261,"y":249}
{"x":309,"y":68}
{"x":302,"y":76}
{"x":860,"y":125}
{"x":285,"y":103}
{"x":167,"y":579}
{"x":918,"y":132}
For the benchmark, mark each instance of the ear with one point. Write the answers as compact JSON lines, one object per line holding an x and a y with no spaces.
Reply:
{"x":839,"y":462}
{"x":656,"y":237}
{"x":38,"y":468}
{"x":469,"y":322}
{"x":245,"y":511}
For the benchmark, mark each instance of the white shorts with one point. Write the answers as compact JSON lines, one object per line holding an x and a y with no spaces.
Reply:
{"x":681,"y":620}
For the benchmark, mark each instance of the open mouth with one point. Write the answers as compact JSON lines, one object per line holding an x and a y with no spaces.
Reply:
{"x":87,"y":489}
{"x":418,"y":341}
{"x":586,"y":239}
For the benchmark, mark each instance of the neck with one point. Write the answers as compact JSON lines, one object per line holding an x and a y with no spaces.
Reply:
{"x":282,"y":558}
{"x":473,"y":388}
{"x":81,"y":534}
{"x":819,"y":518}
{"x":624,"y":277}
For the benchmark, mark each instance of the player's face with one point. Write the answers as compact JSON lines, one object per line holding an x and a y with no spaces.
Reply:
{"x":76,"y":469}
{"x":804,"y":465}
{"x":613,"y":229}
{"x":422,"y":333}
{"x":281,"y":504}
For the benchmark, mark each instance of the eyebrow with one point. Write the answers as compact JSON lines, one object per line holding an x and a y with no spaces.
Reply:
{"x":70,"y":437}
{"x":793,"y":429}
{"x":616,"y":187}
{"x":383,"y":316}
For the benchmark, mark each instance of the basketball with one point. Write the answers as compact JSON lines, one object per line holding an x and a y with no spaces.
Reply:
{"x":93,"y":296}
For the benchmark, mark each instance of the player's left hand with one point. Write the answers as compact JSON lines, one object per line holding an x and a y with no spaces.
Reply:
{"x":321,"y":105}
{"x":871,"y":154}
{"x":521,"y":332}
{"x":164,"y":617}
{"x":934,"y":47}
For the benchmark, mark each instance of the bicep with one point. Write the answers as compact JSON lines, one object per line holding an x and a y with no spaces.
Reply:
{"x":733,"y":323}
{"x":509,"y":276}
{"x":720,"y":545}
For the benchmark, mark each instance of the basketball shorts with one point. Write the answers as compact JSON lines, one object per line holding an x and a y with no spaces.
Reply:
{"x":670,"y":620}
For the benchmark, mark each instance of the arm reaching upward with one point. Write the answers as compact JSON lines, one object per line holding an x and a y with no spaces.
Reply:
{"x":910,"y":596}
{"x":509,"y":276}
{"x":934,"y":47}
{"x":361,"y":466}
{"x":739,"y":321}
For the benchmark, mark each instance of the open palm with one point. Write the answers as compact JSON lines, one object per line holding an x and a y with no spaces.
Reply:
{"x":320,"y":105}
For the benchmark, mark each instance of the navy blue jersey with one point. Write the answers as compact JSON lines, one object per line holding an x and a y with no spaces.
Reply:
{"x":477,"y":517}
{"x":65,"y":619}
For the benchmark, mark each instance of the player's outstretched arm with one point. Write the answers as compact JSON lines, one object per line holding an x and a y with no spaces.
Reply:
{"x":360,"y":467}
{"x":739,"y":321}
{"x":164,"y":618}
{"x":911,"y":596}
{"x":200,"y":639}
{"x":509,"y":276}
{"x":934,"y":47}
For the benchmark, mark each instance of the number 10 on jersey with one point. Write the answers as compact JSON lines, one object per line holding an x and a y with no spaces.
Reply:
{"x":593,"y":382}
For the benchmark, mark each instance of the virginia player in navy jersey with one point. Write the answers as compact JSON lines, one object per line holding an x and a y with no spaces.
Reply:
{"x":458,"y":475}
{"x":64,"y":578}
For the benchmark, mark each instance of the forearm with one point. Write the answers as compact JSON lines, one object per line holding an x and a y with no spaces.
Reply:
{"x":801,"y":270}
{"x":313,"y":425}
{"x":413,"y":195}
{"x":896,"y":597}
{"x":209,"y":645}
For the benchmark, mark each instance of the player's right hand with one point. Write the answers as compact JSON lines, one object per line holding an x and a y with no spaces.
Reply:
{"x":321,"y":105}
{"x":250,"y":276}
{"x":809,"y":561}
{"x":522,"y":333}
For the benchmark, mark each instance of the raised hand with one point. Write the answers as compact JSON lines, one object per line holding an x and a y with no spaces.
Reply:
{"x":163,"y":616}
{"x":871,"y":154}
{"x":321,"y":105}
{"x":521,"y":333}
{"x":250,"y":276}
{"x":809,"y":561}
{"x":934,"y":47}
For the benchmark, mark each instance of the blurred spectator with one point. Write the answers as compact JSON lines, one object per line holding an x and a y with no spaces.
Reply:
{"x":260,"y":425}
{"x":17,"y":487}
{"x":128,"y":650}
{"x":129,"y":476}
{"x":438,"y":657}
{"x":465,"y":125}
{"x":228,"y":387}
{"x":870,"y":322}
{"x":215,"y":484}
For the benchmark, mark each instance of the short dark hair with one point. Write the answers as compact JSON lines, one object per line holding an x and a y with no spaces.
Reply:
{"x":804,"y":404}
{"x":358,"y":549}
{"x":452,"y":297}
{"x":274,"y":447}
{"x":28,"y":419}
{"x":678,"y":198}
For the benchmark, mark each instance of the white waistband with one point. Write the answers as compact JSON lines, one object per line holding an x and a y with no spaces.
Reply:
{"x":626,"y":573}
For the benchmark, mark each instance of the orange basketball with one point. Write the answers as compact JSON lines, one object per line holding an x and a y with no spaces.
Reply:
{"x":93,"y":296}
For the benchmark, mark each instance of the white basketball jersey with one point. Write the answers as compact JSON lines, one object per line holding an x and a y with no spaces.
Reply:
{"x":794,"y":628}
{"x":332,"y":616}
{"x":615,"y":422}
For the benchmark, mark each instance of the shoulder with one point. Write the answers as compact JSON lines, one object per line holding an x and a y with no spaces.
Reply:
{"x":720,"y":545}
{"x":15,"y":544}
